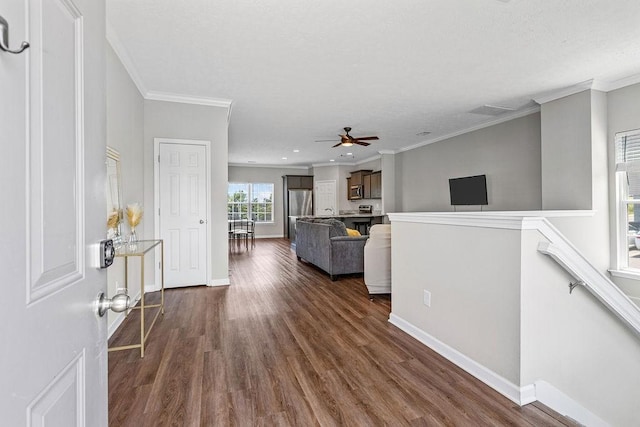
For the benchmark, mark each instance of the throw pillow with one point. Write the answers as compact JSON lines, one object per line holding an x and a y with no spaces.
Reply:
{"x":353,"y":233}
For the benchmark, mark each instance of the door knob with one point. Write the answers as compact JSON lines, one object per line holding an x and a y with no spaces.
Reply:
{"x":4,"y":38}
{"x":202,"y":221}
{"x":119,"y":303}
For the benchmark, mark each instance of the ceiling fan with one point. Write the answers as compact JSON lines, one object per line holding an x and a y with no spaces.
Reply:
{"x":347,"y":140}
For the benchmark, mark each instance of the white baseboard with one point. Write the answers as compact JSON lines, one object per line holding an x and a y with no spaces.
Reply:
{"x":115,"y":325}
{"x":271,"y":236}
{"x":487,"y":376}
{"x":151,"y":288}
{"x":539,"y":391}
{"x":219,"y":282}
{"x":563,"y":404}
{"x":527,"y":394}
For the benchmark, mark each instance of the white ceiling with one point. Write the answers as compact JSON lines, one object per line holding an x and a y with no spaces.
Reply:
{"x":299,"y":71}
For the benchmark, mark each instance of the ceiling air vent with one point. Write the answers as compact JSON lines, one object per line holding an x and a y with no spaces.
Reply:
{"x":492,"y":110}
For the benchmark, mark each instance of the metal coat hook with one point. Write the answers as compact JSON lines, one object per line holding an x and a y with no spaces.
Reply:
{"x":4,"y":38}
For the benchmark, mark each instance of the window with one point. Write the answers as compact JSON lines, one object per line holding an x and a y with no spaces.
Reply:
{"x":250,"y":200}
{"x":628,"y":198}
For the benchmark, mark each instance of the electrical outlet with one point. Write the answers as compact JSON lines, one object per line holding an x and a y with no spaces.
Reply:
{"x":427,"y":298}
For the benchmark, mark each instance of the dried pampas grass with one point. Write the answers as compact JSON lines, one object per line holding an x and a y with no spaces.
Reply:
{"x":134,"y":214}
{"x":113,"y":220}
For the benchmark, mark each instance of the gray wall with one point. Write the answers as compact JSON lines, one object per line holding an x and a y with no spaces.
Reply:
{"x":508,"y":153}
{"x":566,"y":152}
{"x":125,"y":126}
{"x":272,"y":175}
{"x":574,"y":343}
{"x":125,"y":133}
{"x":475,"y":303}
{"x":187,"y":121}
{"x":574,"y":170}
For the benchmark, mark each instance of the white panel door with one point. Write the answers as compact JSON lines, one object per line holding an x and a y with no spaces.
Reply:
{"x":326,"y":198}
{"x":183,"y":213}
{"x":53,"y":351}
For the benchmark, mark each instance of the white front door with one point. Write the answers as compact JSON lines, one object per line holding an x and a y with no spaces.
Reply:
{"x":182,"y":190}
{"x":326,"y":198}
{"x":53,"y":347}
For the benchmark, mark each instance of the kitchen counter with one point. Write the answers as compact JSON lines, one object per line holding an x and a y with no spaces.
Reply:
{"x":347,"y":218}
{"x":339,"y":216}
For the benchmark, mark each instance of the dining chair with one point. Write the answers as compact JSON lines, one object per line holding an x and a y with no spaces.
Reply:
{"x":251,"y":231}
{"x":240,"y":232}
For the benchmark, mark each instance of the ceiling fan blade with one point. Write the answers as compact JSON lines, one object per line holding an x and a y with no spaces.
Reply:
{"x":357,"y":141}
{"x":337,"y":145}
{"x":368,"y":138}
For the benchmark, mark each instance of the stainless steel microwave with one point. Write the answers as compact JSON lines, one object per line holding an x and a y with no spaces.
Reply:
{"x":355,"y":192}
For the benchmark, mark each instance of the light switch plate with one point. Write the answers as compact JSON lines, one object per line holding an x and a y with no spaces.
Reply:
{"x":427,"y":298}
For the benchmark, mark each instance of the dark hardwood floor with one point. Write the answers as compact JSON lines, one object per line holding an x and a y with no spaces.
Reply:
{"x":284,"y":345}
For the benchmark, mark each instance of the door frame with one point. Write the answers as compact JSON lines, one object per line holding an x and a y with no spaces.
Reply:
{"x":156,"y":192}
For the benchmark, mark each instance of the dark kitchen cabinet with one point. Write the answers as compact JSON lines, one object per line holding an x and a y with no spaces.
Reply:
{"x":357,"y":177}
{"x":356,"y":185}
{"x":299,"y":182}
{"x":366,"y":186}
{"x":376,"y":185}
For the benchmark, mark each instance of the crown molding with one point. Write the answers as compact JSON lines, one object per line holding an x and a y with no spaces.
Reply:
{"x":318,"y":165}
{"x":125,"y":59}
{"x":549,"y":96}
{"x":381,"y":152}
{"x":620,"y":83}
{"x":256,"y":165}
{"x":505,"y":118}
{"x":593,"y":84}
{"x":128,"y":64}
{"x":187,"y":99}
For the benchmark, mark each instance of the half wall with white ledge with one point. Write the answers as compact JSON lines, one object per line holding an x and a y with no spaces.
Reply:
{"x":501,"y":309}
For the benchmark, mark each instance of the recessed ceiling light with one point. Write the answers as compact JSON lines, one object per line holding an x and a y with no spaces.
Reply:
{"x":296,"y":151}
{"x":332,"y":160}
{"x":349,"y":154}
{"x":284,"y":158}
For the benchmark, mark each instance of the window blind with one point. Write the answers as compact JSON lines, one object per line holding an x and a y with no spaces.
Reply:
{"x":628,"y":159}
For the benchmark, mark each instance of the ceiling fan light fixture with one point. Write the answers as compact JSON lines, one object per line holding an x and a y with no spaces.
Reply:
{"x":347,"y":143}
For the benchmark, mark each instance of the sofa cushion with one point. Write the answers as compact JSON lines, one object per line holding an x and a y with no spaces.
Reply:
{"x":337,"y":227}
{"x":353,"y":233}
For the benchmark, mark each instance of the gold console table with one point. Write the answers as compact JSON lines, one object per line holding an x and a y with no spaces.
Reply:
{"x":139,"y":249}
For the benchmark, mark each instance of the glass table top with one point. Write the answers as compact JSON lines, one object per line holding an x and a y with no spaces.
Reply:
{"x":139,"y":248}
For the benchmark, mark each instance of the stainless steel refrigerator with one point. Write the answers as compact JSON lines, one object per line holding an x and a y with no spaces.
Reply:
{"x":300,"y":203}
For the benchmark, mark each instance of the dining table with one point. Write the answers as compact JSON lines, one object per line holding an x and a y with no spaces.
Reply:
{"x":241,"y":229}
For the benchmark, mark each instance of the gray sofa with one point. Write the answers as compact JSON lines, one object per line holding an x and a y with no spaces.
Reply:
{"x":325,"y":244}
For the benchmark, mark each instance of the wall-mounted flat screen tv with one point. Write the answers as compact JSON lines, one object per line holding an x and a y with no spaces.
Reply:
{"x":469,"y":190}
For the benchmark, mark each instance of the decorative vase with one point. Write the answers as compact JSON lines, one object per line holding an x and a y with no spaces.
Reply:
{"x":117,"y":238}
{"x":133,"y":239}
